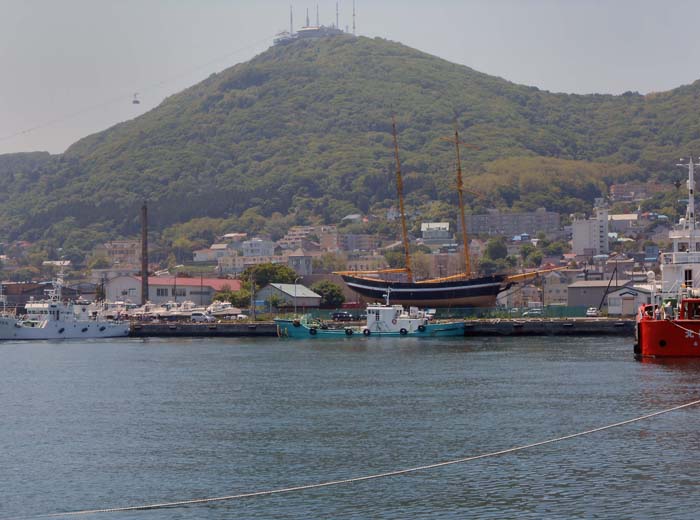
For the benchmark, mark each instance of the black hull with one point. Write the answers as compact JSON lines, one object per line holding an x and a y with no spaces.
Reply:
{"x":477,"y":292}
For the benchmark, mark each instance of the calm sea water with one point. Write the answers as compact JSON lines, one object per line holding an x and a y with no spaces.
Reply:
{"x":129,"y":422}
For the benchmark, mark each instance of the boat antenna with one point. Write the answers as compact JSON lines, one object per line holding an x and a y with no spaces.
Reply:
{"x":387,"y":294}
{"x":690,"y":211}
{"x":399,"y":189}
{"x":460,"y":193}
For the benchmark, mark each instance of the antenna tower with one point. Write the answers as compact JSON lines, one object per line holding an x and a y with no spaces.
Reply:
{"x":307,"y":16}
{"x":336,"y":16}
{"x":317,"y":22}
{"x":353,"y":17}
{"x":291,"y":20}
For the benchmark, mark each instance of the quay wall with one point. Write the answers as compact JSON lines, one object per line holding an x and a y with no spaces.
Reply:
{"x":550,"y":327}
{"x":472,"y":328}
{"x":210,"y":330}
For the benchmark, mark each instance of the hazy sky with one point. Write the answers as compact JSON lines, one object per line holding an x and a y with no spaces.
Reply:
{"x":69,"y":68}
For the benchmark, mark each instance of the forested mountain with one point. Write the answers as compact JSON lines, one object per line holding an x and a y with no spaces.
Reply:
{"x":305,"y":129}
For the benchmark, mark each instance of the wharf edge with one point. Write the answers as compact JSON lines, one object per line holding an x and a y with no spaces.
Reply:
{"x":472,"y":328}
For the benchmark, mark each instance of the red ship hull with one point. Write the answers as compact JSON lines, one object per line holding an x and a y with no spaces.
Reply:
{"x":665,"y":336}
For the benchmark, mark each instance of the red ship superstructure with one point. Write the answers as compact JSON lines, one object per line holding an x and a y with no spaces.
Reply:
{"x":669,"y":326}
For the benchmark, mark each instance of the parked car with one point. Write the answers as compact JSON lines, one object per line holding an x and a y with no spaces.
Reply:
{"x":342,"y":316}
{"x":533,"y":313}
{"x":592,"y":312}
{"x":202,"y":317}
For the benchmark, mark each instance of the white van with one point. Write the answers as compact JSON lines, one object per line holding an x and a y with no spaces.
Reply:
{"x":202,"y":317}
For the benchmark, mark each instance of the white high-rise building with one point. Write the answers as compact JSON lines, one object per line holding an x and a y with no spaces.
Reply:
{"x":590,"y":237}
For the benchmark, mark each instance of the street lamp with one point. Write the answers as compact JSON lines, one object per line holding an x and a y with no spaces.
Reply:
{"x":295,"y":293}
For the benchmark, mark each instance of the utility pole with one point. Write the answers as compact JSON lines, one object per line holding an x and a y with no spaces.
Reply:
{"x":144,"y":253}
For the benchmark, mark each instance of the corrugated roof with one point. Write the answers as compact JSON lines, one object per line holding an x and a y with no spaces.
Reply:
{"x":301,"y":291}
{"x":600,"y":283}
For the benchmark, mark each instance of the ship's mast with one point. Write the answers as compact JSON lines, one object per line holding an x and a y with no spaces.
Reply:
{"x":690,"y":211}
{"x":399,"y":189}
{"x":691,"y":204}
{"x":460,"y":194}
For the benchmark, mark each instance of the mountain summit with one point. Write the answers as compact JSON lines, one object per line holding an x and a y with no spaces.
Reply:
{"x":307,"y":127}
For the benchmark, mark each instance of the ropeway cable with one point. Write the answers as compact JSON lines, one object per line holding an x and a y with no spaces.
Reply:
{"x":195,"y":501}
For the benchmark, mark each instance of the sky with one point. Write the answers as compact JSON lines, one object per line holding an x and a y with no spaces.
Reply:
{"x":70,"y":68}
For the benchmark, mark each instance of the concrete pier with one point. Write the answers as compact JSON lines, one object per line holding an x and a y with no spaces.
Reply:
{"x":472,"y":328}
{"x":212,"y":330}
{"x":550,"y":327}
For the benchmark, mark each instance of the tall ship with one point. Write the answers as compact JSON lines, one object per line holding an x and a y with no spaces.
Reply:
{"x":461,"y":290}
{"x":669,"y":325}
{"x":53,"y":318}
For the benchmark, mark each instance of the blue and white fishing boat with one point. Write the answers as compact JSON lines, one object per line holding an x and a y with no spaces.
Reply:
{"x":382,"y":320}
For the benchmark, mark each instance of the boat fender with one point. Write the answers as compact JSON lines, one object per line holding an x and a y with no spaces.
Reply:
{"x":84,"y":329}
{"x":403,"y":332}
{"x":296,"y":323}
{"x":60,"y":331}
{"x":393,"y":321}
{"x":348,"y":332}
{"x":366,"y":332}
{"x":313,"y":331}
{"x":421,"y":328}
{"x":102,"y":328}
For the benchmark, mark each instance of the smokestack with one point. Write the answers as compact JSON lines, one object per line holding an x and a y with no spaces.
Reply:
{"x":291,"y":20}
{"x":307,"y":16}
{"x":336,"y":16}
{"x":144,"y":253}
{"x":317,"y":22}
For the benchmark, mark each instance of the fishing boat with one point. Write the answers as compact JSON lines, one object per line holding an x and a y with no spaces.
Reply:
{"x":53,"y":318}
{"x":669,"y":325}
{"x":461,"y":290}
{"x":382,"y":320}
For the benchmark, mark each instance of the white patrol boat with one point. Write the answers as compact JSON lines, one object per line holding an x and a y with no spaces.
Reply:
{"x":53,"y":318}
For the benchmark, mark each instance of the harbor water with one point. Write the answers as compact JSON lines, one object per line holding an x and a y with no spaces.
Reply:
{"x":118,"y":423}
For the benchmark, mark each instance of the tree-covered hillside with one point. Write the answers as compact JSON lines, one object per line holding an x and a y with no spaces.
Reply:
{"x":305,"y":129}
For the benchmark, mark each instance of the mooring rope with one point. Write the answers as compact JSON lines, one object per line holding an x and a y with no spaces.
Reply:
{"x":305,"y":487}
{"x":685,"y":329}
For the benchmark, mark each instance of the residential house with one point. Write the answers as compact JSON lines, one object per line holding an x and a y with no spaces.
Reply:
{"x":237,"y":264}
{"x":555,"y":285}
{"x":120,"y":252}
{"x":358,"y":242}
{"x":258,"y":247}
{"x":495,"y":223}
{"x":436,"y":233}
{"x":301,"y":262}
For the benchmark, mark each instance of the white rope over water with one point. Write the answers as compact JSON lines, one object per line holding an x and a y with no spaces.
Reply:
{"x":360,"y":479}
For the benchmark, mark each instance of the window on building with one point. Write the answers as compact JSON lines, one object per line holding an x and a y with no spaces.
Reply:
{"x":161,"y":292}
{"x":179,"y":292}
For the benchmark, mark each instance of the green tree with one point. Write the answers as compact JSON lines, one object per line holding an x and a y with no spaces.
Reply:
{"x":264,"y":274}
{"x":331,"y":294}
{"x":496,"y":249}
{"x":98,"y":262}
